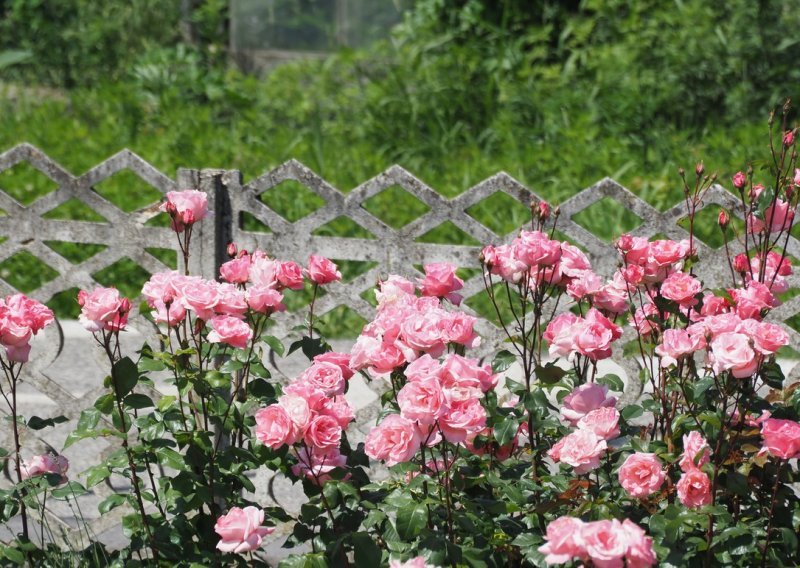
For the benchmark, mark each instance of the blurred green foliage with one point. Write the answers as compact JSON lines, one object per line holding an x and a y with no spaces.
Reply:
{"x":558,"y":94}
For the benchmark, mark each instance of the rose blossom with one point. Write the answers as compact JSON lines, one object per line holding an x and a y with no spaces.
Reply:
{"x":240,"y":530}
{"x":694,"y":489}
{"x":103,"y":308}
{"x":681,"y":288}
{"x":641,"y":474}
{"x":323,"y":432}
{"x":274,"y":427}
{"x":395,"y":440}
{"x":230,"y":330}
{"x":536,"y":248}
{"x":781,"y":438}
{"x":290,"y":275}
{"x":441,"y":281}
{"x":322,"y":271}
{"x":185,"y":208}
{"x":677,"y":343}
{"x":463,"y":421}
{"x":264,"y":300}
{"x":603,"y":422}
{"x":583,"y":399}
{"x":422,"y":400}
{"x":44,"y":464}
{"x":564,"y":541}
{"x":769,"y":338}
{"x":501,"y":261}
{"x":581,"y":449}
{"x":417,"y":562}
{"x":605,"y":541}
{"x":696,"y":452}
{"x":732,"y":351}
{"x":640,"y":553}
{"x":236,"y":271}
{"x":325,"y":376}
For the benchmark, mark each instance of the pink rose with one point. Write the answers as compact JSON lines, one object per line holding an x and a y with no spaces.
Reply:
{"x":777,"y":217}
{"x":682,"y":288}
{"x":441,"y":281}
{"x":606,"y":542}
{"x":753,"y":300}
{"x":559,"y":334}
{"x":459,"y":328}
{"x":44,"y":464}
{"x":236,"y":271}
{"x":696,"y":452}
{"x":103,"y":308}
{"x":393,"y":289}
{"x":232,"y":300}
{"x":263,"y":270}
{"x":640,"y":553}
{"x":583,"y":399}
{"x":769,"y":338}
{"x":603,"y":422}
{"x":341,"y":360}
{"x":240,"y":530}
{"x":201,"y":296}
{"x":274,"y":428}
{"x":30,"y":313}
{"x":231,"y":331}
{"x":422,"y":400}
{"x":694,"y":489}
{"x":463,"y":420}
{"x":185,"y":208}
{"x":677,"y":343}
{"x":641,"y":474}
{"x":298,"y":407}
{"x":418,"y":562}
{"x":781,"y":438}
{"x":564,"y":541}
{"x":582,"y":450}
{"x":586,"y":283}
{"x":731,"y":351}
{"x":325,"y":376}
{"x":322,"y":271}
{"x":290,"y":274}
{"x":666,"y":252}
{"x":535,"y":248}
{"x":323,"y":432}
{"x":572,"y":261}
{"x":501,"y":261}
{"x":338,"y":408}
{"x":395,"y":440}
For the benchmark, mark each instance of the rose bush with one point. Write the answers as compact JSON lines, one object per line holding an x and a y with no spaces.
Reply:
{"x":533,"y":456}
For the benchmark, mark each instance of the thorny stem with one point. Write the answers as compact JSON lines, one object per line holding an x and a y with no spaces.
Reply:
{"x":771,"y":510}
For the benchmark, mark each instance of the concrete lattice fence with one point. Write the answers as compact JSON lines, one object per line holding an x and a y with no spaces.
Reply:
{"x":388,"y":250}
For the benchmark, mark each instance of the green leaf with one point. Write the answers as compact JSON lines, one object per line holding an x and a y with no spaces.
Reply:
{"x":138,"y":401}
{"x":105,"y":403}
{"x":111,"y":502}
{"x":231,"y":366}
{"x":147,"y":364}
{"x":411,"y":520}
{"x":126,"y":375}
{"x":505,"y":431}
{"x":165,"y":401}
{"x":502,"y":361}
{"x":36,"y":423}
{"x":70,"y":490}
{"x":631,"y":411}
{"x":96,"y":474}
{"x":550,"y":373}
{"x":773,"y":375}
{"x":10,"y":553}
{"x":88,"y":420}
{"x":170,"y":458}
{"x":274,"y":343}
{"x":613,"y":382}
{"x":367,"y":553}
{"x":11,"y":57}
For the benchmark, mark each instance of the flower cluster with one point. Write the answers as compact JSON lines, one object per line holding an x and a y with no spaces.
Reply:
{"x":20,"y":319}
{"x":312,"y":413}
{"x":103,"y":309}
{"x":610,"y":544}
{"x":185,"y":208}
{"x":589,"y":336}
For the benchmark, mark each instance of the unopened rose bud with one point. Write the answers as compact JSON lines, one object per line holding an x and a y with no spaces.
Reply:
{"x":242,"y":253}
{"x":170,"y":208}
{"x":544,"y":210}
{"x":723,"y":219}
{"x":232,"y":250}
{"x":741,"y":263}
{"x":739,"y":180}
{"x":624,"y":243}
{"x":788,"y":138}
{"x":557,"y":211}
{"x":681,"y":172}
{"x":699,"y":169}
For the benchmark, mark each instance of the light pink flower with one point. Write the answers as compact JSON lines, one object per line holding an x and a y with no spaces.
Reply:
{"x":395,"y":440}
{"x":781,"y":438}
{"x":240,"y":530}
{"x":185,"y":208}
{"x":535,"y":248}
{"x":44,"y":464}
{"x":290,"y":275}
{"x":341,"y":360}
{"x":231,"y":331}
{"x":731,"y":351}
{"x":322,"y":271}
{"x":603,"y":422}
{"x":501,"y":261}
{"x":682,"y":288}
{"x":677,"y":343}
{"x":325,"y":376}
{"x":422,"y":400}
{"x":323,"y":432}
{"x":274,"y":427}
{"x":564,"y":541}
{"x":583,"y":399}
{"x":417,"y":562}
{"x":777,"y":217}
{"x":606,"y":543}
{"x":463,"y":421}
{"x":441,"y":281}
{"x":694,"y":489}
{"x":696,"y":452}
{"x":641,"y":474}
{"x":264,"y":300}
{"x":236,"y":271}
{"x":640,"y":553}
{"x":769,"y":338}
{"x":200,"y":296}
{"x":582,"y":450}
{"x":103,"y":308}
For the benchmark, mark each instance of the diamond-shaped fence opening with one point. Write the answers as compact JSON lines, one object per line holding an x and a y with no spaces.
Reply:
{"x":248,"y":222}
{"x":448,"y":233}
{"x":125,"y":275}
{"x":559,"y":236}
{"x":291,"y":200}
{"x":76,"y":252}
{"x":25,"y":272}
{"x":352,"y":269}
{"x":340,"y":322}
{"x":368,"y":296}
{"x":25,"y":183}
{"x":485,"y":307}
{"x":395,"y":206}
{"x":128,"y":191}
{"x":168,"y":257}
{"x":706,"y":226}
{"x":342,"y":227}
{"x":500,"y":212}
{"x":607,"y":219}
{"x":75,"y":210}
{"x":159,"y":220}
{"x":65,"y":304}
